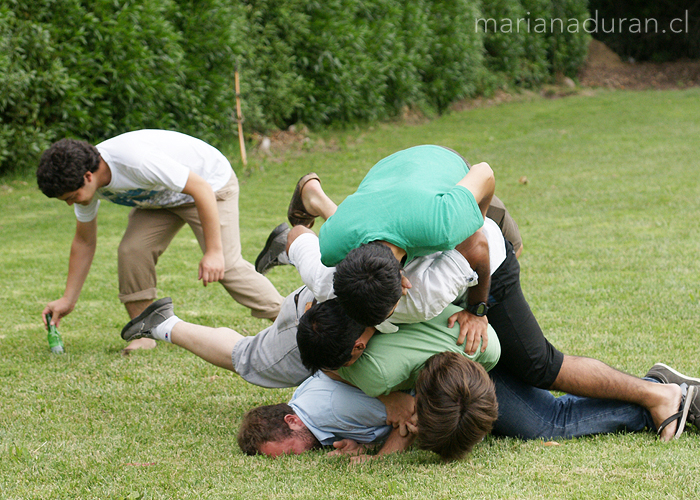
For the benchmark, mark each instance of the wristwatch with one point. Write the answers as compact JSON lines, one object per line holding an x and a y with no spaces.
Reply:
{"x":479,"y":309}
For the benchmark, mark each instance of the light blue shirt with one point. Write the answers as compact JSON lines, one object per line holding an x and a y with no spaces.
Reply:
{"x":334,"y":410}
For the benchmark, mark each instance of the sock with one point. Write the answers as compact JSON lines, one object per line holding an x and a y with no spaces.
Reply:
{"x":283,"y":258}
{"x":162,"y":331}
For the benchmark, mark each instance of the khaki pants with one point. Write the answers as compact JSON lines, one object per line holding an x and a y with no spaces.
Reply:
{"x":149,"y":233}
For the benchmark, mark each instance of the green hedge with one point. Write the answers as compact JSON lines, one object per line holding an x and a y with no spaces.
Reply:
{"x":67,"y":69}
{"x":528,"y":41}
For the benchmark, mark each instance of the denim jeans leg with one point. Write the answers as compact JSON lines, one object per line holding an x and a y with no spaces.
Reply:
{"x":527,"y":412}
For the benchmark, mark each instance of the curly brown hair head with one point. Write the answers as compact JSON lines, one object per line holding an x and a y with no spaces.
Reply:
{"x":456,"y":405}
{"x":63,"y":166}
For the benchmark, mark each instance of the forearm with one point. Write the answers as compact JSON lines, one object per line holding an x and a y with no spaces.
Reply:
{"x":205,"y":202}
{"x":81,"y":254}
{"x":209,"y":217}
{"x":476,"y":250}
{"x":480,"y":181}
{"x":395,"y":443}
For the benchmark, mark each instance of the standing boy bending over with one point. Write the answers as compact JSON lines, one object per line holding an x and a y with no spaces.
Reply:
{"x":169,"y":179}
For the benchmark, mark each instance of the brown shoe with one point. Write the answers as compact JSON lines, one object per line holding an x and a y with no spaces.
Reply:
{"x":297,"y":214}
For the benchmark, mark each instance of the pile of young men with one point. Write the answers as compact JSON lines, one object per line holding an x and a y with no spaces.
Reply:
{"x":411,"y":323}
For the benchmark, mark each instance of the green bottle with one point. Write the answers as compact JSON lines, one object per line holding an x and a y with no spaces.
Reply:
{"x":55,"y":340}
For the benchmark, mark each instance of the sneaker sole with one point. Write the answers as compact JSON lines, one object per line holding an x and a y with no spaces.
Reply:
{"x":274,"y":234}
{"x":695,"y":381}
{"x":153,"y":307}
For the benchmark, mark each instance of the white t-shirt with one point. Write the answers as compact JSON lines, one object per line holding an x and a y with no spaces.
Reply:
{"x":150,"y":169}
{"x":436,"y":279}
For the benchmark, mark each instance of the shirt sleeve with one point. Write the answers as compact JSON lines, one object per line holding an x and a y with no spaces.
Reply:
{"x":456,"y":217}
{"x":305,"y":255}
{"x":436,"y":281}
{"x":87,"y":213}
{"x":333,"y":410}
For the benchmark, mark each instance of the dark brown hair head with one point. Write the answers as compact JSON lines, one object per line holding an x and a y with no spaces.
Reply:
{"x":456,"y":405}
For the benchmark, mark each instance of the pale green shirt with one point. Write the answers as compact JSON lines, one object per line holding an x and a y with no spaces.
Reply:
{"x":392,"y":361}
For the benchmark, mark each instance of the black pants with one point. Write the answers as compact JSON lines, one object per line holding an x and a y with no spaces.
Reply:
{"x":525,"y":352}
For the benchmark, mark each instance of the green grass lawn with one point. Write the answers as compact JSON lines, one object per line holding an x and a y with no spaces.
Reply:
{"x":610,"y":218}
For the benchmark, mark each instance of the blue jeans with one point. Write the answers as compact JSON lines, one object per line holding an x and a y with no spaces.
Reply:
{"x":527,"y":412}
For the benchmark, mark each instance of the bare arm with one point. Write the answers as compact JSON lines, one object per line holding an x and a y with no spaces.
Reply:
{"x":481,"y":182}
{"x":400,"y":411}
{"x":211,"y":267}
{"x":82,"y":251}
{"x":395,"y":443}
{"x":474,"y":328}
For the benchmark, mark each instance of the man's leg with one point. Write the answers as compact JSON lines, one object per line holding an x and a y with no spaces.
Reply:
{"x":316,"y":201}
{"x":594,"y":379}
{"x":246,"y":286}
{"x":527,"y":412}
{"x":527,"y":354}
{"x":269,"y":359}
{"x":213,"y":345}
{"x":148,"y":234}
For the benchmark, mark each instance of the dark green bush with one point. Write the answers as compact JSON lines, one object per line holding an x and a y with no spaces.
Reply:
{"x":96,"y":69}
{"x":274,"y":90}
{"x":654,"y":39}
{"x":455,"y":50}
{"x":568,"y":47}
{"x":528,"y":41}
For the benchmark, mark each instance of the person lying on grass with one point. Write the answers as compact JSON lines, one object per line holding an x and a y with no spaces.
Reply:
{"x":455,"y":409}
{"x":326,"y":411}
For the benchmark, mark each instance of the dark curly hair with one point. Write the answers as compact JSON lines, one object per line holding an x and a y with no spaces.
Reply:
{"x":63,"y":166}
{"x":367,"y":283}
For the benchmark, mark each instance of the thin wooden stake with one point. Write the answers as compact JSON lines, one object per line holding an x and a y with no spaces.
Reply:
{"x":239,"y":118}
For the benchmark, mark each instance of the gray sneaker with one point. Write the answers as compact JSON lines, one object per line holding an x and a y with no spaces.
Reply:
{"x":152,"y":316}
{"x":274,"y":253}
{"x":668,"y":375}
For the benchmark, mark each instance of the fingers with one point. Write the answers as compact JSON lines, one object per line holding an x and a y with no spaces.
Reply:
{"x":340,"y":444}
{"x":47,"y":310}
{"x":412,"y":428}
{"x":451,"y":321}
{"x":463,"y":320}
{"x":463,"y":332}
{"x":339,"y":447}
{"x":472,"y":342}
{"x":209,"y":275}
{"x":484,"y":339}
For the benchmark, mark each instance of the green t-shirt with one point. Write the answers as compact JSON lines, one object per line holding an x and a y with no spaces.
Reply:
{"x":410,"y":199}
{"x":392,"y":361}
